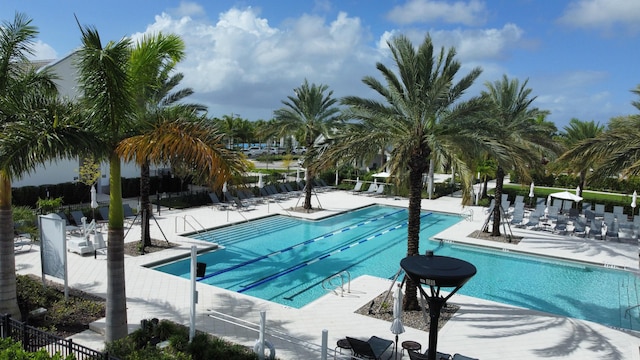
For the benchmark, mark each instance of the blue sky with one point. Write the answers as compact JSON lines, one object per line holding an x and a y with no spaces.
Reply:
{"x":243,"y":57}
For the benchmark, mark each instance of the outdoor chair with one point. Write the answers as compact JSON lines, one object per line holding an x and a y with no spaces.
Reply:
{"x":579,"y":227}
{"x":561,"y":224}
{"x":519,"y":200}
{"x":373,"y":348}
{"x":595,"y":229}
{"x":295,"y":192}
{"x":357,"y":188}
{"x":104,"y":213}
{"x":68,"y":226}
{"x":574,"y":213}
{"x":77,"y":216}
{"x":462,"y":357}
{"x":414,"y":355}
{"x":599,"y":210}
{"x":128,"y":213}
{"x":242,"y":206}
{"x":22,"y":243}
{"x":517,"y":218}
{"x":372,"y":189}
{"x":216,"y":202}
{"x":379,"y":191}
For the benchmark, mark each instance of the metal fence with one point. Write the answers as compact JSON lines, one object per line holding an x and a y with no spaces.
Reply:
{"x":34,"y":339}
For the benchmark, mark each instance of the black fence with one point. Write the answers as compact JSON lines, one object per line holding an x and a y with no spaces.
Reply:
{"x":34,"y":339}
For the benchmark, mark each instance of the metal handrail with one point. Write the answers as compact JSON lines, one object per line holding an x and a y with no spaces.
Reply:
{"x":328,"y":285}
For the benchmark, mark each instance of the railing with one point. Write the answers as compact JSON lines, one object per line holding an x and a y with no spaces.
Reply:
{"x":328,"y":283}
{"x":34,"y":339}
{"x":186,"y":222}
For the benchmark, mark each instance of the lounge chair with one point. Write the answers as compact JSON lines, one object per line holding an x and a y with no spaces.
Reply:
{"x":215,"y":202}
{"x":372,"y":189}
{"x":357,"y":188}
{"x":104,"y":213}
{"x":128,"y":213}
{"x":414,"y":355}
{"x":462,"y":357}
{"x":77,"y":216}
{"x":379,"y":191}
{"x":579,"y":227}
{"x":599,"y":210}
{"x":373,"y":348}
{"x":241,"y":206}
{"x":68,"y":226}
{"x":22,"y":243}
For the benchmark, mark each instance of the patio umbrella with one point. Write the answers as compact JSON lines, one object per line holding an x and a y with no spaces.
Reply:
{"x":298,"y":174}
{"x":396,"y":324}
{"x":224,"y":187}
{"x":565,"y":195}
{"x":336,"y":177}
{"x":634,"y":197}
{"x":531,"y":194}
{"x":578,"y":190}
{"x":94,"y":201}
{"x":260,"y":183}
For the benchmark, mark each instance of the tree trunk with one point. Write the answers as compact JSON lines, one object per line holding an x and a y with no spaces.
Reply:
{"x":8,"y":290}
{"x":145,"y":205}
{"x":484,"y":189}
{"x":413,"y":235}
{"x":116,"y":308}
{"x":308,"y":186}
{"x":495,"y":230}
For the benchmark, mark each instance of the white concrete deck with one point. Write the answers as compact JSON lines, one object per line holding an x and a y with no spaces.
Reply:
{"x":480,"y":329}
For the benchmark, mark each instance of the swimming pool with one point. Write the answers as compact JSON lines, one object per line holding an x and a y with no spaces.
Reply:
{"x":285,"y":260}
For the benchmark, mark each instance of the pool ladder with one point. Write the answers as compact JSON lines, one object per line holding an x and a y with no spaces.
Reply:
{"x":330,"y":285}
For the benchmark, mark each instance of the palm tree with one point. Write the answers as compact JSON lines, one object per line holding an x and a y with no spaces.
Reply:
{"x":574,"y":133}
{"x":615,"y":152}
{"x":35,"y":127}
{"x":311,"y":113}
{"x":185,"y":140}
{"x":419,"y":119}
{"x":152,"y":60}
{"x":517,"y":127}
{"x":107,"y":98}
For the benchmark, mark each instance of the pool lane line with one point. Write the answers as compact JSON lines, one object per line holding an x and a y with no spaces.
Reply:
{"x":306,"y":242}
{"x":323,"y":256}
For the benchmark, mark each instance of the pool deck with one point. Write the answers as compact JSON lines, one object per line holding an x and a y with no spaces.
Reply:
{"x":480,"y":329}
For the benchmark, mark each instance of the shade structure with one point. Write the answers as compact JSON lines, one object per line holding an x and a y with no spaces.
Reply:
{"x":396,"y":324}
{"x":565,"y":196}
{"x":437,"y":272}
{"x":531,"y":194}
{"x":383,"y":174}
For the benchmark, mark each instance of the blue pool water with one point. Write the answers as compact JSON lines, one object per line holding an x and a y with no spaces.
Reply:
{"x":285,"y":260}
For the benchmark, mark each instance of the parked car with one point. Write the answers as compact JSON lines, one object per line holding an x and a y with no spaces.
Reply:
{"x":254,"y":151}
{"x":277,"y":151}
{"x":299,"y":150}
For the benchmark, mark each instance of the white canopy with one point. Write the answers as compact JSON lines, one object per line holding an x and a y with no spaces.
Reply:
{"x":566,"y":195}
{"x":383,"y":174}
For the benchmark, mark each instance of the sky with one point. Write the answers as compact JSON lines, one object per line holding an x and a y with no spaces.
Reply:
{"x":243,"y":58}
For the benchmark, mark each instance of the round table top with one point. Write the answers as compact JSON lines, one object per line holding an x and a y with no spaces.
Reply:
{"x":442,"y":271}
{"x":411,"y":345}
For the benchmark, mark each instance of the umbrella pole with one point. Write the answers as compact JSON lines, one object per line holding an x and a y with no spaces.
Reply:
{"x":396,"y":346}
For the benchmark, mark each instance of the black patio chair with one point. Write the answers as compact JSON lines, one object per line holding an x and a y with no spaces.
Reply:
{"x":373,"y":348}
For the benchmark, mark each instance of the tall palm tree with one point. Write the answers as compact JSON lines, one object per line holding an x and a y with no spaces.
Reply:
{"x":35,"y":127}
{"x":311,"y":113}
{"x":419,"y":118}
{"x":613,"y":152}
{"x":106,"y":96}
{"x":574,"y":133}
{"x":151,"y":63}
{"x":517,"y":127}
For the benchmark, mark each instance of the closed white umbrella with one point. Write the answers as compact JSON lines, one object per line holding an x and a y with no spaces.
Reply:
{"x":94,"y":201}
{"x":224,"y":187}
{"x":337,"y":177}
{"x":396,"y":324}
{"x":298,"y":174}
{"x":260,"y":183}
{"x":531,"y":194}
{"x":578,"y":190}
{"x":634,"y":197}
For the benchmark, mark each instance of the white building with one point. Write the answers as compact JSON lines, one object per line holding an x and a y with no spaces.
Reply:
{"x":61,"y":171}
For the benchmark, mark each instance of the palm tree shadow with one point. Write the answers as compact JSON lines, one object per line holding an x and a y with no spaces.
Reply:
{"x":498,"y":321}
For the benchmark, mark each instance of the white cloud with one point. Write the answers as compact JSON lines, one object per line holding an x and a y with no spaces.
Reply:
{"x":470,"y":45}
{"x":602,"y":14}
{"x":42,"y":51}
{"x":187,"y":8}
{"x":242,"y":62}
{"x":468,"y":13}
